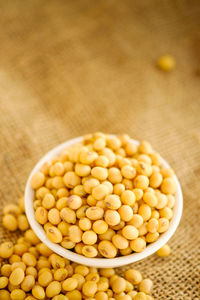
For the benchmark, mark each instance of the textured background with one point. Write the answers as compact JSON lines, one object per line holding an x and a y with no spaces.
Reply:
{"x":73,"y":67}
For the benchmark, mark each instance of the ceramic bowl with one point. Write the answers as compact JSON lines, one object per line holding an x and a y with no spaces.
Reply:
{"x":97,"y":262}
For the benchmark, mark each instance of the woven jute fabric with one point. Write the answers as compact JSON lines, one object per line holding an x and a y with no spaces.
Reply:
{"x":72,"y":67}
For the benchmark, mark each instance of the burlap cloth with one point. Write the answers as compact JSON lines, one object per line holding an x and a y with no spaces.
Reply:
{"x":73,"y":67}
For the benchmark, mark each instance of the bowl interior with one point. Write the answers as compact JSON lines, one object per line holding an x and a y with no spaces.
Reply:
{"x":97,"y":262}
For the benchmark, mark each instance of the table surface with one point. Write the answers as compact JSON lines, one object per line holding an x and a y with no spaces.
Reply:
{"x":72,"y":67}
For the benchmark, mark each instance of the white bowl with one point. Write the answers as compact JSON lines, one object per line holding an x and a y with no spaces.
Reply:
{"x":97,"y":262}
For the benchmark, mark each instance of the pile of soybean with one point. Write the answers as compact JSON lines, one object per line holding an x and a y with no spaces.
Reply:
{"x":105,"y":196}
{"x":29,"y":270}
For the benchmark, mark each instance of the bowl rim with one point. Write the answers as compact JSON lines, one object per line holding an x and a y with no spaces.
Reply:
{"x":97,"y":262}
